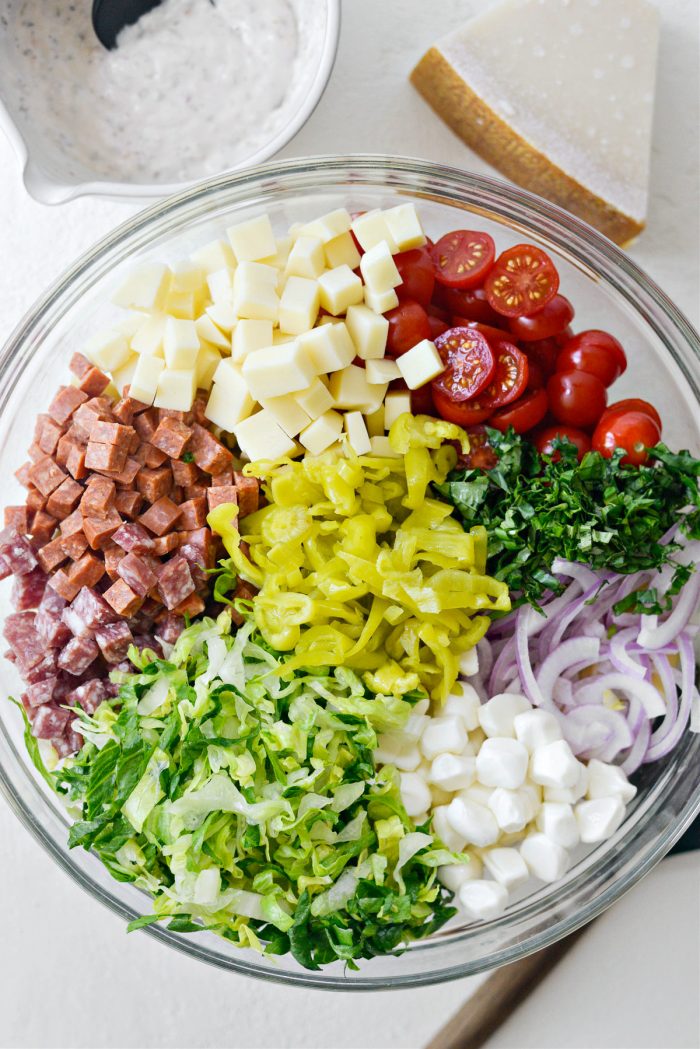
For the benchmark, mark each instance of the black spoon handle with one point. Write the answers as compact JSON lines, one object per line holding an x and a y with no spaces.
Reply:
{"x":110,"y":16}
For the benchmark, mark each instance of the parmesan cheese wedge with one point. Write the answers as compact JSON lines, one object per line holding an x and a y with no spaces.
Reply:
{"x":558,"y":95}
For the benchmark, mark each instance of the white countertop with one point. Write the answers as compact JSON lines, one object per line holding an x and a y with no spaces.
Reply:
{"x":68,"y":973}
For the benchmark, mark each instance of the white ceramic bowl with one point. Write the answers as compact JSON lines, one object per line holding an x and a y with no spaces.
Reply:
{"x":51,"y":178}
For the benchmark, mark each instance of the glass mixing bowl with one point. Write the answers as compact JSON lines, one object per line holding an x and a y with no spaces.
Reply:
{"x":608,"y":291}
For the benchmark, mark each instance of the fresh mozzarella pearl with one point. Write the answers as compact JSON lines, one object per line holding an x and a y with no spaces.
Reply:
{"x":534,"y":728}
{"x":443,"y":735}
{"x":554,"y":765}
{"x":483,"y":899}
{"x":452,"y":771}
{"x":545,"y":859}
{"x":557,"y":821}
{"x":532,"y":795}
{"x":502,"y":763}
{"x":465,"y":706}
{"x":599,"y":819}
{"x":440,"y":796}
{"x":469,"y":662}
{"x":511,"y":809}
{"x":474,"y":822}
{"x":415,"y":794}
{"x":505,"y":865}
{"x":477,"y":793}
{"x":454,"y":875}
{"x":496,"y":717}
{"x":396,"y":749}
{"x":605,"y":781}
{"x":449,"y":837}
{"x":569,"y":795}
{"x":416,"y":725}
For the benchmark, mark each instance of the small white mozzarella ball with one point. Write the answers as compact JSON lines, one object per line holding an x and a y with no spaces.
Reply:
{"x":554,"y":765}
{"x":415,"y":726}
{"x":599,"y":819}
{"x":511,"y":809}
{"x":496,"y":717}
{"x":469,"y":662}
{"x":421,"y":818}
{"x":398,"y":750}
{"x":557,"y":821}
{"x":443,"y":828}
{"x":608,"y":781}
{"x":532,"y":795}
{"x":502,"y":763}
{"x":415,"y":794}
{"x":466,"y":706}
{"x":454,"y":875}
{"x":444,"y":735}
{"x":544,"y":858}
{"x":535,"y":727}
{"x":421,"y":707}
{"x":440,"y":796}
{"x":474,"y":822}
{"x":483,"y":900}
{"x":452,"y":771}
{"x":569,"y":795}
{"x":505,"y":865}
{"x":477,"y":793}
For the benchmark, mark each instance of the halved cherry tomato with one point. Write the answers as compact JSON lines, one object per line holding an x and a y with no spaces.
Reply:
{"x":462,"y":259}
{"x":633,"y":431}
{"x":436,"y":311}
{"x":464,"y":413}
{"x":462,"y":302}
{"x":422,"y":400}
{"x":522,"y":281}
{"x":552,"y":319}
{"x":595,"y":352}
{"x":544,"y":352}
{"x":481,"y":455}
{"x":437,"y":326}
{"x":632,"y":404}
{"x":417,"y":276}
{"x":510,"y":380}
{"x":408,"y":325}
{"x":544,"y":440}
{"x":494,"y":335}
{"x":524,"y":414}
{"x":469,"y":361}
{"x":536,"y":378}
{"x":576,"y":398}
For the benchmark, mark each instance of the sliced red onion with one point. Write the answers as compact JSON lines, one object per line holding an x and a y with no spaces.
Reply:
{"x":647,"y":695}
{"x":522,"y":647}
{"x":620,"y":655}
{"x":577,"y":650}
{"x":597,"y":732}
{"x":638,"y":749}
{"x":654,"y":634}
{"x":666,"y":745}
{"x":583,"y":575}
{"x":484,"y":653}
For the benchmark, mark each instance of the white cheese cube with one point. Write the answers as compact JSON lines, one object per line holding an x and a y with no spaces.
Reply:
{"x":599,"y":819}
{"x":554,"y":765}
{"x":358,"y":438}
{"x":483,"y":900}
{"x":229,"y":401}
{"x":414,"y":793}
{"x":473,"y":822}
{"x":176,"y":389}
{"x":380,"y":301}
{"x":180,"y":343}
{"x":208,"y":360}
{"x":368,"y":331}
{"x":250,"y":335}
{"x":608,"y":781}
{"x":339,"y":288}
{"x":502,"y":763}
{"x":350,"y":389}
{"x":510,"y":808}
{"x":371,"y":229}
{"x":144,"y":382}
{"x":307,"y":258}
{"x":452,"y":771}
{"x":280,"y":337}
{"x":535,"y":727}
{"x":281,"y":256}
{"x":276,"y":370}
{"x":442,"y":826}
{"x":208,"y":332}
{"x":506,"y":866}
{"x":148,"y":340}
{"x":557,"y":821}
{"x":375,"y":421}
{"x":145,"y":288}
{"x":188,"y":275}
{"x":130,"y":324}
{"x":315,"y":399}
{"x":378,"y":268}
{"x":497,"y":715}
{"x":545,"y":859}
{"x":253,"y":239}
{"x":299,"y":305}
{"x":223,"y":315}
{"x":420,"y":364}
{"x":569,"y":795}
{"x":382,"y":371}
{"x":342,"y":251}
{"x":464,"y":705}
{"x":109,"y":350}
{"x":396,"y":403}
{"x":329,"y":226}
{"x":454,"y":875}
{"x":254,"y":292}
{"x":381,"y":447}
{"x":288,"y":413}
{"x":261,"y":437}
{"x":328,"y":347}
{"x":220,"y":285}
{"x":214,"y":256}
{"x":469,"y":662}
{"x":185,"y":304}
{"x":322,"y":432}
{"x":404,"y":225}
{"x":444,"y":735}
{"x":123,"y":376}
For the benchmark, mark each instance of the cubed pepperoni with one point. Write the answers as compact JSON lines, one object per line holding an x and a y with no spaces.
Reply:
{"x":153,"y":457}
{"x":74,"y":546}
{"x":146,"y":424}
{"x":248,"y":493}
{"x":52,"y":554}
{"x":127,"y":475}
{"x":196,"y":491}
{"x":193,"y":514}
{"x":105,"y":457}
{"x":65,"y":403}
{"x":128,"y":503}
{"x":112,"y":555}
{"x":171,"y":437}
{"x":64,"y":500}
{"x":192,"y":606}
{"x":19,"y":518}
{"x":112,"y":433}
{"x":224,"y":494}
{"x":99,"y":529}
{"x":154,"y":484}
{"x":122,"y":598}
{"x":46,"y":475}
{"x":35,"y":452}
{"x":209,"y":454}
{"x":185,"y":473}
{"x":63,"y":585}
{"x":165,"y":544}
{"x":79,"y":365}
{"x":24,"y":473}
{"x":35,"y":500}
{"x":73,"y":523}
{"x":99,"y":497}
{"x":86,"y":571}
{"x":75,"y":462}
{"x":161,"y":517}
{"x":222,"y":479}
{"x":43,"y":527}
{"x":48,"y":433}
{"x":94,"y":382}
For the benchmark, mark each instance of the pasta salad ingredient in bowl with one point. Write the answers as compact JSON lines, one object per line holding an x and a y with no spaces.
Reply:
{"x":344,"y":599}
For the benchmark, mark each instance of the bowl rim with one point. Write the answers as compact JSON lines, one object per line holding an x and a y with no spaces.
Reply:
{"x":392,"y":173}
{"x":46,"y":189}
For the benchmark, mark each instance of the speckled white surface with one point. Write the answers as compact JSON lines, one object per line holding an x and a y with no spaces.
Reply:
{"x":69,"y":976}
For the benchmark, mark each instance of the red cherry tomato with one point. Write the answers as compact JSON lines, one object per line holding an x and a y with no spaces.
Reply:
{"x":464,"y":413}
{"x":552,"y":319}
{"x":544,"y":440}
{"x":481,"y":455}
{"x":493,"y":335}
{"x":564,"y":336}
{"x":417,"y":276}
{"x":522,"y":281}
{"x":595,"y":352}
{"x":633,"y":431}
{"x":524,"y":414}
{"x":462,"y":259}
{"x":422,"y":401}
{"x":544,"y":352}
{"x":471,"y":303}
{"x":437,"y":326}
{"x":469,"y":361}
{"x":576,"y":398}
{"x":506,"y":386}
{"x":632,"y":404}
{"x":536,"y":378}
{"x":408,"y":325}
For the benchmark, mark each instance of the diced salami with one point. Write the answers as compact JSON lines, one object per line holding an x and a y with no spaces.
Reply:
{"x":146,"y":424}
{"x":175,"y":582}
{"x":94,"y":382}
{"x":170,"y":627}
{"x":77,"y":626}
{"x":75,"y":462}
{"x":43,"y":527}
{"x":123,"y":599}
{"x":227,"y":493}
{"x":49,"y":434}
{"x":244,"y":592}
{"x":52,"y":602}
{"x":137,"y":573}
{"x":171,"y":437}
{"x":99,"y":529}
{"x":78,"y":654}
{"x":20,"y":633}
{"x":42,"y":668}
{"x":86,"y":571}
{"x":46,"y":475}
{"x":50,"y":722}
{"x":41,"y":692}
{"x":74,"y":546}
{"x":5,"y":568}
{"x":154,"y":484}
{"x":105,"y":456}
{"x":128,"y":503}
{"x":222,"y":479}
{"x":51,"y":555}
{"x":209,"y":454}
{"x":63,"y":585}
{"x":112,"y":555}
{"x":248,"y":493}
{"x":99,"y":497}
{"x":17,"y":551}
{"x":65,"y":403}
{"x":79,"y":365}
{"x":92,"y":608}
{"x":63,"y":501}
{"x":28,"y":590}
{"x":185,"y":473}
{"x":51,"y":628}
{"x":114,"y":641}
{"x":133,"y":537}
{"x":165,"y":544}
{"x":89,"y":695}
{"x":19,"y":518}
{"x":161,"y":517}
{"x":153,"y":457}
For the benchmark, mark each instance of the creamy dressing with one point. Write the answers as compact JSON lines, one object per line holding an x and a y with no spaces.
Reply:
{"x":192,"y":89}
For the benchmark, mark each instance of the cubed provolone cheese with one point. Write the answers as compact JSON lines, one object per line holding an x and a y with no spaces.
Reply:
{"x":404,"y":226}
{"x":381,"y":301}
{"x":254,"y":292}
{"x":375,"y":421}
{"x":253,"y":239}
{"x":276,"y":370}
{"x":382,"y":371}
{"x":322,"y":433}
{"x":396,"y":403}
{"x":188,"y":275}
{"x":208,"y":360}
{"x":299,"y":305}
{"x":339,"y":289}
{"x":350,"y":389}
{"x":229,"y":400}
{"x":329,"y":226}
{"x":368,"y":331}
{"x":209,"y":332}
{"x":249,"y":335}
{"x":223,"y":315}
{"x":371,"y":228}
{"x":144,"y":381}
{"x":279,"y":259}
{"x":109,"y":350}
{"x":145,"y":288}
{"x":184,"y":304}
{"x":420,"y":364}
{"x":288,"y":413}
{"x":329,"y":347}
{"x":307,"y":258}
{"x":378,"y":268}
{"x":214,"y":256}
{"x":261,"y":437}
{"x":381,"y":445}
{"x":123,"y":376}
{"x":176,"y":389}
{"x":148,"y":340}
{"x":220,"y":285}
{"x":355,"y":428}
{"x":180,"y":343}
{"x":342,"y":251}
{"x":315,"y":399}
